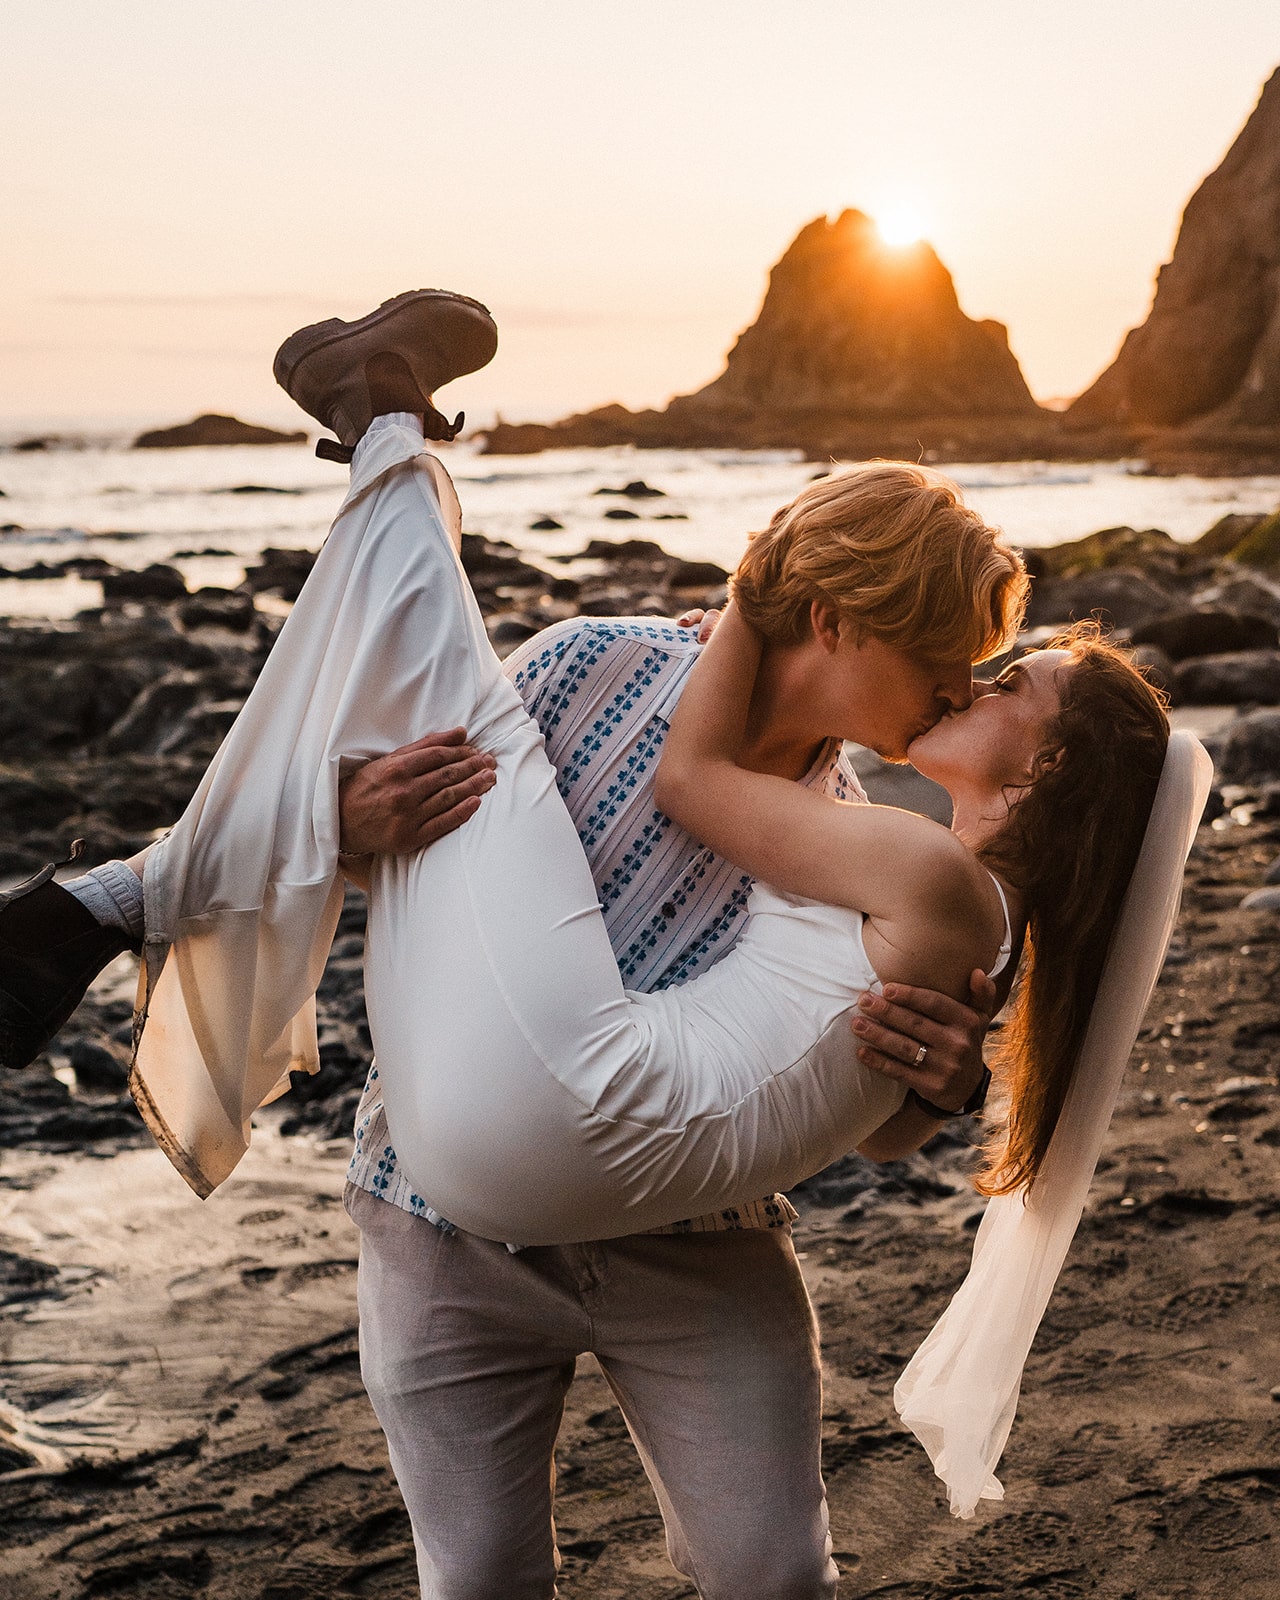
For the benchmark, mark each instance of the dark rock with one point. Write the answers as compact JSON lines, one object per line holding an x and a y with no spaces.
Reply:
{"x":621,"y":514}
{"x":22,"y":1278}
{"x":1120,"y":598}
{"x":1246,"y":594}
{"x":1225,"y":535}
{"x":34,"y":800}
{"x":1272,"y":875}
{"x":1247,"y":751}
{"x":1147,"y":550}
{"x":27,"y":446}
{"x":606,"y":602}
{"x":672,"y":516}
{"x":88,"y":566}
{"x":637,"y":489}
{"x":201,"y":729}
{"x":1206,"y":633}
{"x":506,"y":632}
{"x":1209,"y":351}
{"x":156,"y":582}
{"x":545,"y":525}
{"x":212,"y":429}
{"x":39,"y":570}
{"x":1244,"y":677}
{"x":564,"y":589}
{"x":1156,"y":666}
{"x":492,"y":564}
{"x":218,"y":608}
{"x":696,"y":575}
{"x":96,"y":1067}
{"x":281,"y":572}
{"x":622,"y":550}
{"x":1260,"y":547}
{"x":256,"y":488}
{"x":47,"y":706}
{"x":154,"y":714}
{"x":209,"y":550}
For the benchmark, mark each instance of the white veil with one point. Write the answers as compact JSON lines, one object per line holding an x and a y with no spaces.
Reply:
{"x":959,"y":1393}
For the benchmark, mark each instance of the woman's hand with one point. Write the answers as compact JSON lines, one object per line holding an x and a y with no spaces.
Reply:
{"x":703,"y":621}
{"x":402,"y":802}
{"x":894,"y":1027}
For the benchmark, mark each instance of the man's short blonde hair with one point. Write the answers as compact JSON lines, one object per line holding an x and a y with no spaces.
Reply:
{"x":892,"y":546}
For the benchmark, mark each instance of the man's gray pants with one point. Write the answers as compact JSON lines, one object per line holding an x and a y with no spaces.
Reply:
{"x":708,"y":1342}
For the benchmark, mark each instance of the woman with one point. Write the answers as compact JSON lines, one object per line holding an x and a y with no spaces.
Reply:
{"x":507,"y":1048}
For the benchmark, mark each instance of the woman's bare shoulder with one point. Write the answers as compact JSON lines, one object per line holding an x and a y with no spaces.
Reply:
{"x":944,"y":918}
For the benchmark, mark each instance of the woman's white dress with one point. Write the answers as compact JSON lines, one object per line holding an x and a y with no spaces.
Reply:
{"x":528,"y":1095}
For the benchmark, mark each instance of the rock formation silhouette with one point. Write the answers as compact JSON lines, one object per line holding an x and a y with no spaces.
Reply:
{"x":1208,"y":354}
{"x":212,"y":428}
{"x":856,"y":328}
{"x":860,"y":347}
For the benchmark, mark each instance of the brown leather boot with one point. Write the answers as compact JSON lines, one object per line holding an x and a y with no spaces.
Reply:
{"x":439,"y":336}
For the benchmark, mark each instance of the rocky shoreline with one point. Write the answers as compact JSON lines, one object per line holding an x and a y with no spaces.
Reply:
{"x":826,"y":436}
{"x":1146,"y":1413}
{"x":107,"y":723}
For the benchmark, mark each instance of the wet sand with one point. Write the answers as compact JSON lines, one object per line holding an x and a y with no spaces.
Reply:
{"x":182,"y":1412}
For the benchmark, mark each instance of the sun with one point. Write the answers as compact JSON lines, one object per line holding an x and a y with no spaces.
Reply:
{"x":899,"y":223}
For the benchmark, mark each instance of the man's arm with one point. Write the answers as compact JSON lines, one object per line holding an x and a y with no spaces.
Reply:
{"x":413,"y":796}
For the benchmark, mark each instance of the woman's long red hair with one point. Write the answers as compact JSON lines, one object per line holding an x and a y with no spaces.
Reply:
{"x":1070,"y":846}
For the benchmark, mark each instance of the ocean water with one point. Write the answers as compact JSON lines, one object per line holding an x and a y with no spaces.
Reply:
{"x":210,"y":511}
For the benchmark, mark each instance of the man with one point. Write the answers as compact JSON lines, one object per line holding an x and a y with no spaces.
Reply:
{"x":874,"y":591}
{"x":703,"y":1330}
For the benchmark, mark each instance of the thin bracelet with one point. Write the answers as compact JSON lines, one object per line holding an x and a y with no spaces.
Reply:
{"x":970,"y":1108}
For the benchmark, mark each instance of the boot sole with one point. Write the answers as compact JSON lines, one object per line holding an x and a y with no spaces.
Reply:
{"x":439,"y":334}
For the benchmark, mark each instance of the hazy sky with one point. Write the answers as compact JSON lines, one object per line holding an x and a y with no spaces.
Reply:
{"x":183,"y":184}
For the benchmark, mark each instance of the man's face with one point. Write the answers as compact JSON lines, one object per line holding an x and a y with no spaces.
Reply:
{"x":891,"y":696}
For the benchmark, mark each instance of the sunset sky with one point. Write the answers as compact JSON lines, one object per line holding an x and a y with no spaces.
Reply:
{"x":182,"y":185}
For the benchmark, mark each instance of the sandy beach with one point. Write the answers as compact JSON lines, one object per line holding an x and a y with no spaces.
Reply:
{"x":183,"y":1412}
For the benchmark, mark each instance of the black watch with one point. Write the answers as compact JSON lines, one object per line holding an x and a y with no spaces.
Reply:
{"x":970,"y":1108}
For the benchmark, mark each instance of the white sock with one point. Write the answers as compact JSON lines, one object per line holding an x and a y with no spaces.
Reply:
{"x":112,"y":894}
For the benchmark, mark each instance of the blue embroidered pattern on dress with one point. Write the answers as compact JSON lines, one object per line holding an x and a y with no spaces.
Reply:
{"x":596,"y":687}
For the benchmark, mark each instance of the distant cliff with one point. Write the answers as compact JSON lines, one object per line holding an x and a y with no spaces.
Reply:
{"x":858,"y":346}
{"x":1206,"y":362}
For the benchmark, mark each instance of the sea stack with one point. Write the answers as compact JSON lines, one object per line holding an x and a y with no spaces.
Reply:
{"x":854,"y":328}
{"x":1207,"y":359}
{"x":860,"y":349}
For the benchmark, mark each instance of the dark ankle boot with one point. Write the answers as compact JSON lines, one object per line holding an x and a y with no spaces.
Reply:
{"x":436,"y":334}
{"x":51,"y":950}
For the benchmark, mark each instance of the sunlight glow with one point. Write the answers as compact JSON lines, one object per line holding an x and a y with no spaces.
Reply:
{"x":899,"y":223}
